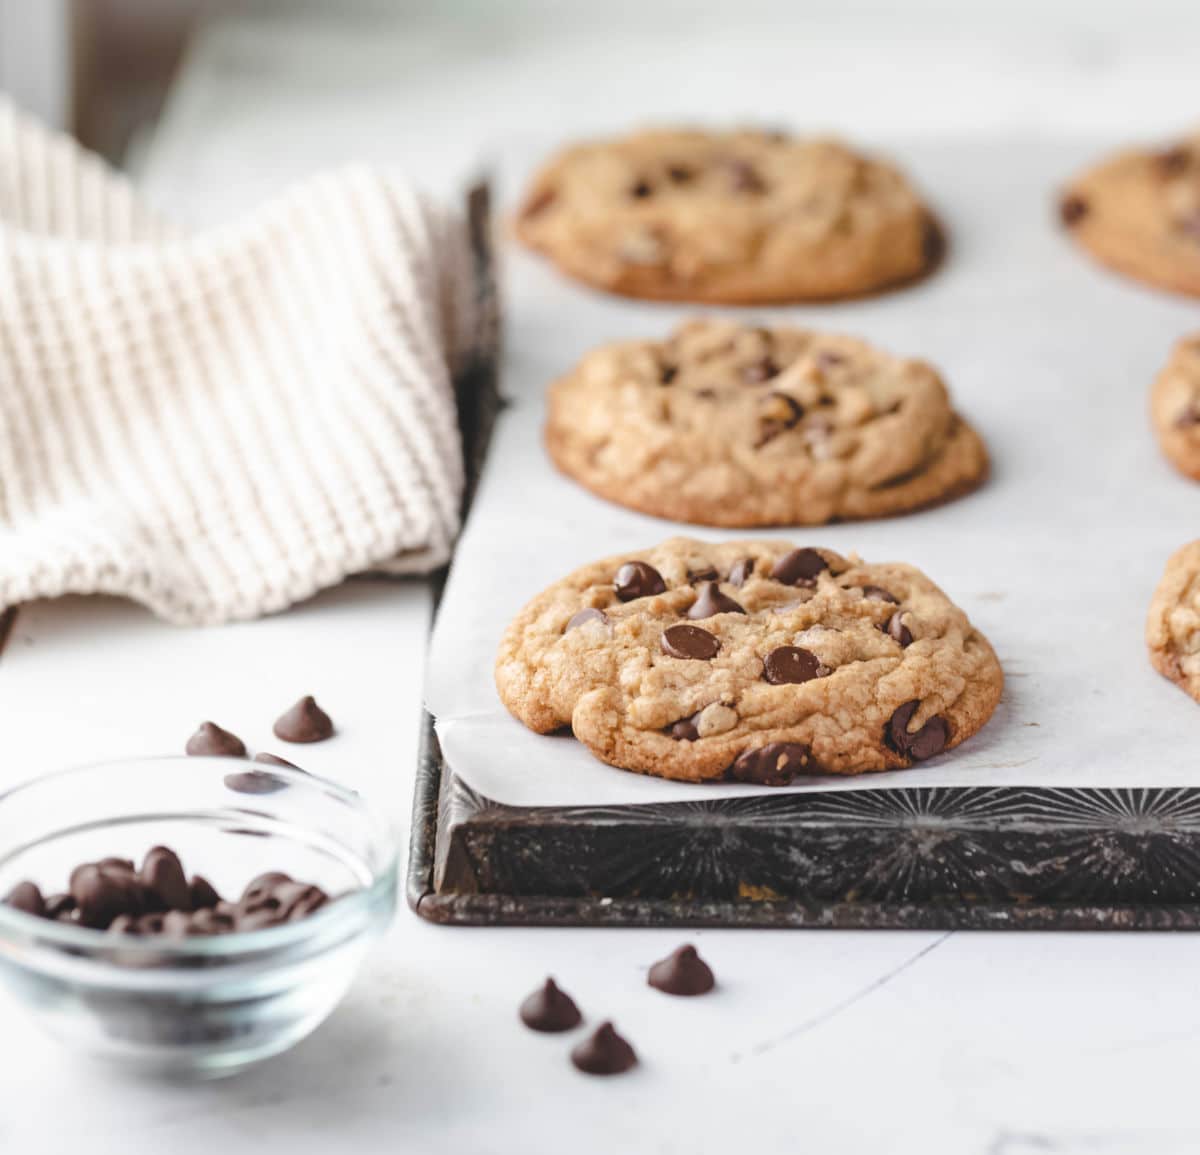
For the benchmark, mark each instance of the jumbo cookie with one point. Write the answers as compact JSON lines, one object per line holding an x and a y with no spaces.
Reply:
{"x":727,"y":217}
{"x":750,"y":661}
{"x":1139,"y":213}
{"x":731,"y":425}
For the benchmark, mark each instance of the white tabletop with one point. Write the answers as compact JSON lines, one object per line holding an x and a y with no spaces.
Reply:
{"x":996,"y":1044}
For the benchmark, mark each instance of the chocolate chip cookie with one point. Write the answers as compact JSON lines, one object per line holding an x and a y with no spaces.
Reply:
{"x":1175,"y":408}
{"x":723,"y":424}
{"x":727,"y":217}
{"x":1173,"y":624}
{"x":1139,"y":212}
{"x":750,"y":661}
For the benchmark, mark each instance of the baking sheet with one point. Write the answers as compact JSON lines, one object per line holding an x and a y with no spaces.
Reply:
{"x":1054,"y":559}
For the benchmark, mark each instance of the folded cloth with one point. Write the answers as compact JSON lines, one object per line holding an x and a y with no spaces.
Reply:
{"x":221,"y":424}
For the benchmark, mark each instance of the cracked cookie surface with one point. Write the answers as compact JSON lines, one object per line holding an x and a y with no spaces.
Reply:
{"x":727,"y":217}
{"x":1175,"y":407}
{"x":749,"y":661}
{"x":1139,"y":213}
{"x":1173,"y":623}
{"x":724,"y":424}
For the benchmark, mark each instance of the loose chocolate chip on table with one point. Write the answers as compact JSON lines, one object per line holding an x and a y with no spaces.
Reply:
{"x":202,"y":893}
{"x":775,"y":764}
{"x":636,"y":579}
{"x":879,"y":594}
{"x":791,"y":665}
{"x":690,"y":642}
{"x":27,"y":897}
{"x":304,"y":722}
{"x":897,"y":630}
{"x":800,"y":567}
{"x":211,"y":741}
{"x":550,"y":1009}
{"x":741,"y":571}
{"x":929,"y":740}
{"x":254,"y":782}
{"x":759,"y":371}
{"x":1072,"y":209}
{"x":712,"y":601}
{"x":583,"y":617}
{"x":604,"y":1052}
{"x":685,"y":730}
{"x":162,"y":874}
{"x":682,"y":972}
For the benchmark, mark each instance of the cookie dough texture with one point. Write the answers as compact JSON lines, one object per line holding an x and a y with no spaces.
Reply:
{"x":727,"y":217}
{"x":1175,"y":408}
{"x":750,"y":661}
{"x":722,"y":424}
{"x":1139,"y":213}
{"x":1173,"y":624}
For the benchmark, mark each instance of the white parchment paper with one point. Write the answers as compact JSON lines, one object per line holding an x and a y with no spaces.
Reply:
{"x":1054,"y":559}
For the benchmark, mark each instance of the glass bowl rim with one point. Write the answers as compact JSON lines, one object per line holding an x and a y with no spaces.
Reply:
{"x":14,"y":923}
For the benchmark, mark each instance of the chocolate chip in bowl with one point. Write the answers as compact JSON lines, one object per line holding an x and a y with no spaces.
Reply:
{"x":187,"y":974}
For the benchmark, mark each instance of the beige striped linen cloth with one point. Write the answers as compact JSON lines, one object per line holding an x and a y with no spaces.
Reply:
{"x":221,"y":424}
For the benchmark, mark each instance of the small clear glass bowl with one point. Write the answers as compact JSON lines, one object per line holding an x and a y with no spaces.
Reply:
{"x":203,"y":1006}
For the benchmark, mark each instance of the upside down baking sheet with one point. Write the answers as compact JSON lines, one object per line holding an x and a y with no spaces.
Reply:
{"x":1054,"y":559}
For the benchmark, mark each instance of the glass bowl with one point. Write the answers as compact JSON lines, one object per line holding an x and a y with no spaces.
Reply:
{"x":200,"y":1006}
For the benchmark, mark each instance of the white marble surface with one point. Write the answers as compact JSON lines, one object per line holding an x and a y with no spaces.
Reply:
{"x":824,"y":1042}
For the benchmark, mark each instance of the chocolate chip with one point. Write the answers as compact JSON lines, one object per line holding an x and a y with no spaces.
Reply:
{"x":304,"y":722}
{"x":879,"y":594}
{"x":27,"y":897}
{"x":759,"y":371}
{"x":582,"y":617}
{"x":641,"y":190}
{"x":60,"y":906}
{"x":799,"y":568}
{"x":550,"y":1009}
{"x":690,"y":642}
{"x":211,"y":741}
{"x":604,"y":1052}
{"x":1172,"y":161}
{"x":707,"y":574}
{"x":162,"y":875}
{"x":636,"y":579}
{"x":261,"y":888}
{"x":686,"y":729}
{"x":101,"y":893}
{"x":741,"y":571}
{"x":712,"y":601}
{"x":202,"y":893}
{"x":667,"y":374}
{"x":775,"y":764}
{"x":682,"y":972}
{"x":1189,"y":417}
{"x":680,"y":173}
{"x":254,"y":782}
{"x":791,"y":665}
{"x":1072,"y":209}
{"x":780,"y":413}
{"x":897,"y":630}
{"x":929,"y":740}
{"x":275,"y":760}
{"x":744,"y":177}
